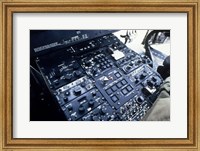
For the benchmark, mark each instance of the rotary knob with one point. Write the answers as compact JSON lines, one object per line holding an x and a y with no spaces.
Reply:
{"x":143,"y":76}
{"x":77,"y":90}
{"x":96,"y":111}
{"x":94,"y":70}
{"x":150,"y":84}
{"x":128,"y":68}
{"x":104,"y":80}
{"x":154,"y":79}
{"x":75,"y":65}
{"x":129,"y":57}
{"x":131,"y":64}
{"x":57,"y":82}
{"x":103,"y":67}
{"x":83,"y":84}
{"x":67,"y":93}
{"x":103,"y":110}
{"x":136,"y":80}
{"x":143,"y":61}
{"x":86,"y":118}
{"x":57,"y":73}
{"x":70,"y":107}
{"x":81,"y":108}
{"x":138,"y":62}
{"x":88,"y":63}
{"x":65,"y":99}
{"x":93,"y":93}
{"x":140,"y":99}
{"x":68,"y":76}
{"x":146,"y":92}
{"x":77,"y":73}
{"x":91,"y":102}
{"x":95,"y":118}
{"x":104,"y":118}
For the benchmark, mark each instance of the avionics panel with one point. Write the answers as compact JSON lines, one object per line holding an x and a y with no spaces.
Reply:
{"x":99,"y":79}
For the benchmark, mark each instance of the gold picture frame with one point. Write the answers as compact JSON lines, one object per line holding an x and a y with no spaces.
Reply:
{"x":9,"y":7}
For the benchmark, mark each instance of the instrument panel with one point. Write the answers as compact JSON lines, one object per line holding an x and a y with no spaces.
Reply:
{"x":100,"y":80}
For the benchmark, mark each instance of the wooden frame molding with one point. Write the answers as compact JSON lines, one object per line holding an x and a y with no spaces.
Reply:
{"x":9,"y":7}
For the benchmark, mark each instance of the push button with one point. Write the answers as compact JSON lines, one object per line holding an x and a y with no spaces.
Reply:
{"x":123,"y":82}
{"x":129,"y":88}
{"x":140,"y":99}
{"x":154,"y":79}
{"x":114,"y":88}
{"x":107,"y":65}
{"x":114,"y":98}
{"x":118,"y":75}
{"x":109,"y":91}
{"x":124,"y":91}
{"x":119,"y":85}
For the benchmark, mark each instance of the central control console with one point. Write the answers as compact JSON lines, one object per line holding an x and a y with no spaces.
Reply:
{"x":100,"y":80}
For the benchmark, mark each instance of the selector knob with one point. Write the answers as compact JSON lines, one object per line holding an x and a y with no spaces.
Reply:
{"x":128,"y":68}
{"x":137,"y":76}
{"x":70,"y":107}
{"x":104,"y":80}
{"x":131,"y":64}
{"x":149,"y":62}
{"x":96,"y":111}
{"x":57,"y":73}
{"x":103,"y":110}
{"x":87,"y":63}
{"x":93,"y":93}
{"x":104,"y":118}
{"x":156,"y":84}
{"x":83,"y":84}
{"x":103,"y":67}
{"x":67,"y":93}
{"x":140,"y":99}
{"x":68,"y":76}
{"x":154,"y":79}
{"x":81,"y":109}
{"x":91,"y":103}
{"x":88,"y":118}
{"x":137,"y":80}
{"x":146,"y":91}
{"x":75,"y":65}
{"x":143,"y":61}
{"x":94,"y":70}
{"x":57,"y":82}
{"x":139,"y":61}
{"x":143,"y":76}
{"x":77,"y":90}
{"x":77,"y":73}
{"x":95,"y":118}
{"x":150,"y":84}
{"x":128,"y":56}
{"x":65,"y":99}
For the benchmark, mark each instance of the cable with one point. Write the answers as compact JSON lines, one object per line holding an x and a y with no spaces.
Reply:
{"x":35,"y":70}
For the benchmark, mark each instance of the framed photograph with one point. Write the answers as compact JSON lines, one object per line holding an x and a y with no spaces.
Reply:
{"x":96,"y":75}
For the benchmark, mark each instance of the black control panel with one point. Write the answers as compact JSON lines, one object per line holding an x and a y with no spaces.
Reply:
{"x":100,"y":80}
